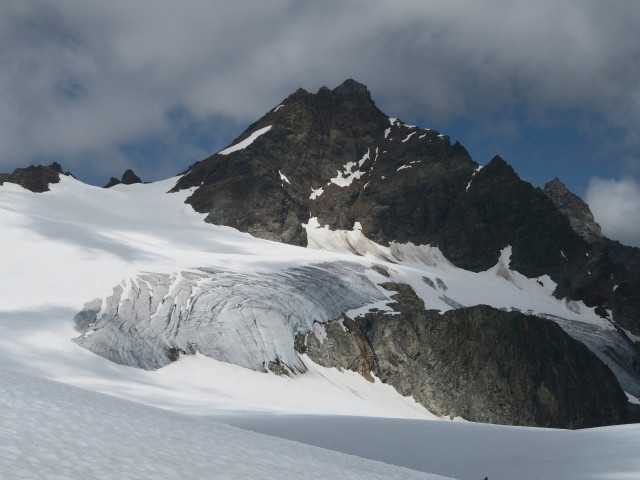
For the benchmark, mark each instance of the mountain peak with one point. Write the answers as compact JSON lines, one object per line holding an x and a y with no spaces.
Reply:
{"x":499,"y":166}
{"x":334,"y":157}
{"x":352,"y":88}
{"x":555,"y":184}
{"x":128,"y":178}
{"x":301,"y":92}
{"x":498,"y":160}
{"x":575,"y":209}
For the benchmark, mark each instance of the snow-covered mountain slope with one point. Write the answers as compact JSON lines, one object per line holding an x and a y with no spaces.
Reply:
{"x":77,"y":243}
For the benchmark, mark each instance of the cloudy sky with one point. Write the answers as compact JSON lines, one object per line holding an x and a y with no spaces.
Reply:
{"x":552,"y":86}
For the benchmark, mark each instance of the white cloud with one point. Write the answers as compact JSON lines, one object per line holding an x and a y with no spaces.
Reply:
{"x":615,"y":204}
{"x":82,"y":77}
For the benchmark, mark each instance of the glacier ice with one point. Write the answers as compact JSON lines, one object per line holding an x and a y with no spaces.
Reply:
{"x":248,"y":319}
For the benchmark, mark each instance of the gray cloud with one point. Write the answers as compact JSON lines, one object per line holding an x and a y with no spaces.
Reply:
{"x":81,"y":79}
{"x":615,"y":206}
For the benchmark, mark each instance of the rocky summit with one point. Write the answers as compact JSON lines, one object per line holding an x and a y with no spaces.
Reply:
{"x":128,"y":178}
{"x":34,"y":178}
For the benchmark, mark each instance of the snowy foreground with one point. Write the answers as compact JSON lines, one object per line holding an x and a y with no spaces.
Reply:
{"x":76,"y":243}
{"x":54,"y":431}
{"x":466,"y":451}
{"x":50,"y":430}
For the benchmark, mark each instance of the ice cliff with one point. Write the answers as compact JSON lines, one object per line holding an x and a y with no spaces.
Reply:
{"x":246,"y":319}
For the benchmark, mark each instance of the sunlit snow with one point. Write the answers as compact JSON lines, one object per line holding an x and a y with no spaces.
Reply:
{"x":246,"y":142}
{"x":347,"y":175}
{"x":75,"y":243}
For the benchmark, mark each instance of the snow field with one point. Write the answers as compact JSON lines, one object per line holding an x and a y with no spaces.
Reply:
{"x":463,"y":450}
{"x":54,"y":431}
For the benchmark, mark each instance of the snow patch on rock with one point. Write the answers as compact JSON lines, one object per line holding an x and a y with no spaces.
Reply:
{"x":246,"y":142}
{"x":408,"y":137}
{"x":473,"y":175}
{"x":283,"y":178}
{"x":419,"y":254}
{"x":315,"y":193}
{"x":348,"y":174}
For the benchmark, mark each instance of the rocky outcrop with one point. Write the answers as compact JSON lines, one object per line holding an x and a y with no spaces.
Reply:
{"x":477,"y":363}
{"x":128,"y":178}
{"x":34,"y":178}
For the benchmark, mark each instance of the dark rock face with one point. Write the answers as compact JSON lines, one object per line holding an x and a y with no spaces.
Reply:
{"x":128,"y":178}
{"x":570,"y":205}
{"x":36,"y":179}
{"x":334,"y":134}
{"x":113,"y":181}
{"x":405,"y":298}
{"x":613,"y":269}
{"x":335,"y":156}
{"x":479,"y":363}
{"x":500,"y":209}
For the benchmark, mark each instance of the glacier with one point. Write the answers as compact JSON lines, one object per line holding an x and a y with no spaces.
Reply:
{"x":246,"y":319}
